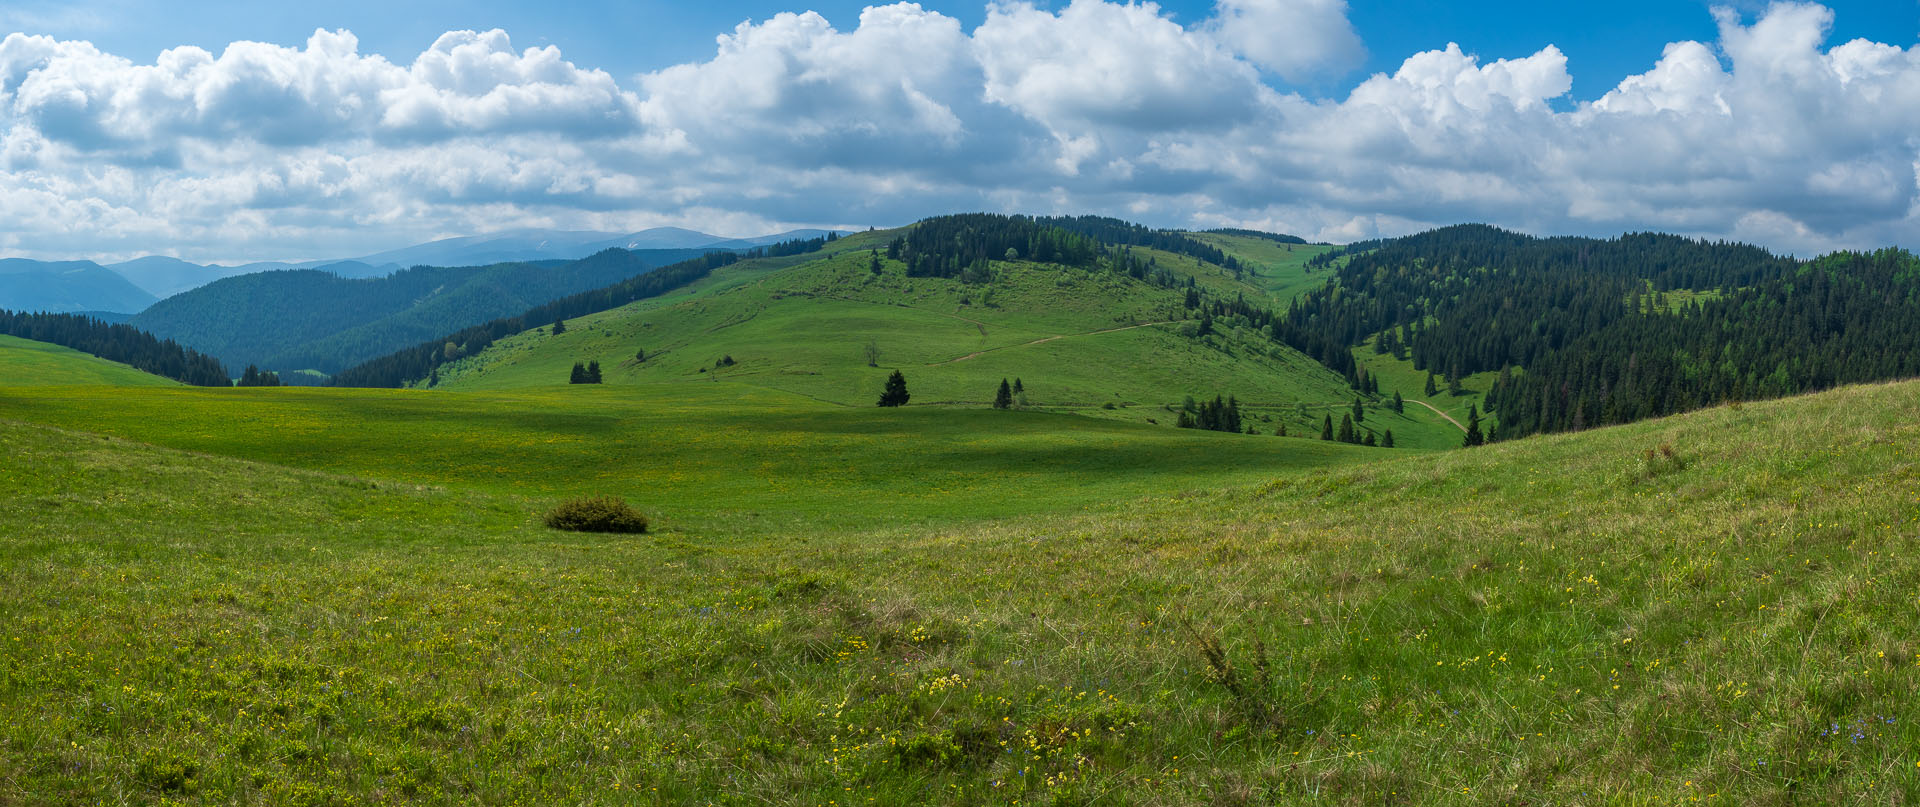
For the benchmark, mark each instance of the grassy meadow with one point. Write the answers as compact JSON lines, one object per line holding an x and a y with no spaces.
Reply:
{"x":24,"y":362}
{"x":318,"y":597}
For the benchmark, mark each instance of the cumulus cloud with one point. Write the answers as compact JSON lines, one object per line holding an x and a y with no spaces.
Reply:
{"x":1298,"y":39}
{"x":270,"y":151}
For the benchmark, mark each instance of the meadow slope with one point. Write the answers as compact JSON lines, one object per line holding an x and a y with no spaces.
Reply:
{"x":1717,"y":606}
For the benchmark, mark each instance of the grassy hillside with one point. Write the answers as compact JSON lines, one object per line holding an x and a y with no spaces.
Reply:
{"x":1082,"y":341}
{"x":1279,"y":269}
{"x":1718,"y":607}
{"x":26,"y":363}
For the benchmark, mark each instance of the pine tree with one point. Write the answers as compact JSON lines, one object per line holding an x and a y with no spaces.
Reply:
{"x":1474,"y":437}
{"x":1018,"y":387}
{"x":1432,"y":389}
{"x":1387,"y":441}
{"x":1398,"y":404}
{"x":1326,"y":428}
{"x":895,"y":393}
{"x":874,"y":267}
{"x":1346,"y":430}
{"x":1359,"y":411}
{"x":1003,"y":399}
{"x":593,"y":372}
{"x":559,"y":327}
{"x":579,"y":374}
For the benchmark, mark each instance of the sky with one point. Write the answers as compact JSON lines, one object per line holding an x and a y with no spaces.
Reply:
{"x":237,"y":131}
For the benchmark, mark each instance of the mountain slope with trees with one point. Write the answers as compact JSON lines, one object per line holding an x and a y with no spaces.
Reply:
{"x":67,"y":287}
{"x":310,"y":319}
{"x":1584,"y":332}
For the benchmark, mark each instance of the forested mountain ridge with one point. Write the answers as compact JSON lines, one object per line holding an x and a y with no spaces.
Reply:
{"x":1583,"y":331}
{"x":310,"y":319}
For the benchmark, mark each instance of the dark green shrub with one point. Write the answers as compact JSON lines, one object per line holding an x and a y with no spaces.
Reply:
{"x":597,"y":514}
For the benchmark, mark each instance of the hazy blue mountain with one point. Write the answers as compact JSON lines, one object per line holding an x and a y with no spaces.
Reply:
{"x":67,"y":287}
{"x":164,"y":277}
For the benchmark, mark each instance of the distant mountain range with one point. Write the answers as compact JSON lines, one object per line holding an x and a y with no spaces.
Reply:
{"x":132,"y":286}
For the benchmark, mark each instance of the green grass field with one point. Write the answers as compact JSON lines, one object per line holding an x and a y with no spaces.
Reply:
{"x":24,"y":362}
{"x":1278,"y":269}
{"x":718,"y":457}
{"x":1718,"y":606}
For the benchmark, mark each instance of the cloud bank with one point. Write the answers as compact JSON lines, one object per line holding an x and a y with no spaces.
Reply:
{"x":264,"y":150}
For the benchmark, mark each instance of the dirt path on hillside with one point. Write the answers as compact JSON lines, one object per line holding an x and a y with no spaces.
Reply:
{"x":979,"y":353}
{"x":1456,"y":424}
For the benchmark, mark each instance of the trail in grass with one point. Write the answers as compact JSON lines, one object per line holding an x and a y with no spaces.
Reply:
{"x":979,"y":353}
{"x":1456,"y":424}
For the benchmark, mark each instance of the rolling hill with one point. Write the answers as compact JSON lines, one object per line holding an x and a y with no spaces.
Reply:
{"x":1083,"y":339}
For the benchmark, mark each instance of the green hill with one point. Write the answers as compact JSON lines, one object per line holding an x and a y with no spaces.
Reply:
{"x":309,"y":319}
{"x":26,"y":363}
{"x":1092,"y":340}
{"x":1717,"y":606}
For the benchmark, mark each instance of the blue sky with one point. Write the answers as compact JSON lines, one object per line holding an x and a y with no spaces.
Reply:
{"x":1605,"y":42}
{"x":1333,"y":119}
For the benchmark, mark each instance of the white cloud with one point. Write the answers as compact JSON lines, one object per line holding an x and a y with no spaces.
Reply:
{"x":1298,"y":39}
{"x":264,"y":150}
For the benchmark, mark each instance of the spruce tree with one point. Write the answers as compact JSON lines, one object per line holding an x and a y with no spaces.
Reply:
{"x":1398,"y":404}
{"x":1346,"y":430}
{"x":1018,"y":387}
{"x":1474,"y":437}
{"x":559,"y":327}
{"x":1326,"y":428}
{"x":1359,"y":411}
{"x":895,"y":393}
{"x":579,"y":374}
{"x":1432,"y":389}
{"x":593,"y":372}
{"x":1369,"y":441}
{"x":1003,"y":399}
{"x":1387,"y":441}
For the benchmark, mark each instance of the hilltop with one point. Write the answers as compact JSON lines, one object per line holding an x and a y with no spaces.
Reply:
{"x":1130,"y":333}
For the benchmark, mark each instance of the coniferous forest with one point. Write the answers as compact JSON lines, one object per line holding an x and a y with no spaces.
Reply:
{"x":1588,"y":332}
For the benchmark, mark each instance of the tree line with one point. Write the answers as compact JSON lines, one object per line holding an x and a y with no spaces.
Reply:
{"x":122,"y":343}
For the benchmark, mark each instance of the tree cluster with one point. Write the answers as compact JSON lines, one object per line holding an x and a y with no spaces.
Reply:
{"x":588,"y":373}
{"x":255,"y":377}
{"x":963,"y":246}
{"x":1220,"y":415}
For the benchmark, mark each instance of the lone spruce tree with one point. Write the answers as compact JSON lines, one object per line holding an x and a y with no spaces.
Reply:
{"x":1003,"y":399}
{"x":1474,"y":437}
{"x":896,"y":392}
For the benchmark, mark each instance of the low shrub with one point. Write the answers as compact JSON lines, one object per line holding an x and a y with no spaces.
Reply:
{"x":597,"y":514}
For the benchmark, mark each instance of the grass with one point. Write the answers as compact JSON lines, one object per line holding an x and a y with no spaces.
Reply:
{"x":1278,"y":269}
{"x":1716,"y":606}
{"x":24,"y":362}
{"x":724,"y":457}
